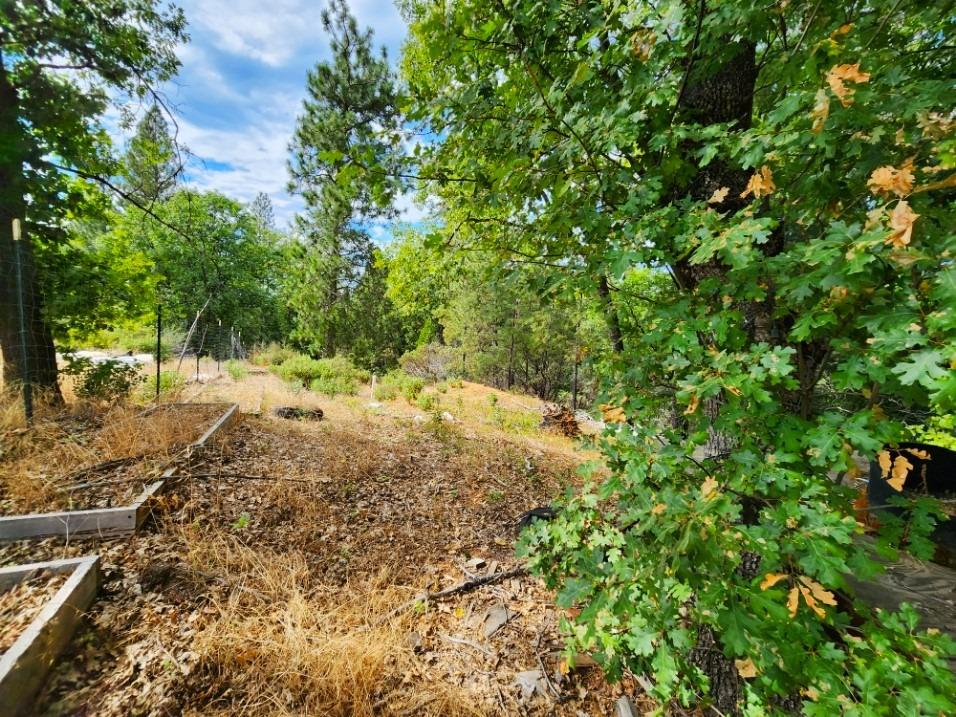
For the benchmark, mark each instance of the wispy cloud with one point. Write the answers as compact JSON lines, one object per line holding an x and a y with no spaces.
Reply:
{"x":242,"y":83}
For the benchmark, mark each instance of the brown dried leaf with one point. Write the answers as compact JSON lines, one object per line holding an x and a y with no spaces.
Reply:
{"x":821,"y":110}
{"x":819,"y":592}
{"x":719,"y":195}
{"x":902,"y":219}
{"x":692,"y":405}
{"x":746,"y":668}
{"x":811,"y":603}
{"x":793,"y":600}
{"x":771,"y":579}
{"x":885,"y":463}
{"x":889,"y":180}
{"x":642,"y":42}
{"x":839,"y":75}
{"x":901,"y":469}
{"x":760,"y":184}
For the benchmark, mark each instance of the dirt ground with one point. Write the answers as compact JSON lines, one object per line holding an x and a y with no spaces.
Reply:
{"x":285,"y":574}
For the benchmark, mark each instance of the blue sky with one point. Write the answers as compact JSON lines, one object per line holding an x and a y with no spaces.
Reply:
{"x":242,"y":83}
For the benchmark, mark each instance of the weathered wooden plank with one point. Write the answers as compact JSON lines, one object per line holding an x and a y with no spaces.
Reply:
{"x":105,"y":522}
{"x":24,"y":666}
{"x":97,"y":521}
{"x":223,"y":422}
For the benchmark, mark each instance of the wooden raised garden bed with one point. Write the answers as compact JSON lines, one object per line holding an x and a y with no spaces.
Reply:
{"x":111,"y":521}
{"x":25,"y":663}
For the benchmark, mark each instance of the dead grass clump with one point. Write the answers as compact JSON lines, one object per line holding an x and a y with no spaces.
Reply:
{"x":283,"y":647}
{"x":61,"y":442}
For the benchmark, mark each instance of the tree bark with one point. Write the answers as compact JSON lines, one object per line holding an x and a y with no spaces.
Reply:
{"x":724,"y":95}
{"x":35,"y":345}
{"x":610,"y":315}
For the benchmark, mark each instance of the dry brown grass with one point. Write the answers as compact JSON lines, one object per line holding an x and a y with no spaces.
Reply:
{"x":282,"y":645}
{"x":35,"y":460}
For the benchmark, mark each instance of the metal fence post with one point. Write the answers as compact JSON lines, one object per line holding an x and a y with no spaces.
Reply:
{"x":21,"y":311}
{"x":159,"y":345}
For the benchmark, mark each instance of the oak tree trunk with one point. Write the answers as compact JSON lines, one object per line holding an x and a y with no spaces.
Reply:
{"x":34,"y":344}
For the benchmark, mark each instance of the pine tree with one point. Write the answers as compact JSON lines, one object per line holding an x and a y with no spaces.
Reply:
{"x":264,"y":213}
{"x":151,"y":165}
{"x":343,"y":158}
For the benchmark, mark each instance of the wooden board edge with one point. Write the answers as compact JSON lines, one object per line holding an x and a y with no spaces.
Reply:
{"x":123,"y":520}
{"x":96,"y":521}
{"x":24,"y":667}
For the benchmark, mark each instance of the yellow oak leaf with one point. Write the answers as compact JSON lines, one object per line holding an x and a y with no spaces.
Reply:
{"x":901,"y":469}
{"x":746,"y":668}
{"x":821,"y":110}
{"x":919,"y":453}
{"x":793,"y":600}
{"x":839,"y":75}
{"x":642,"y":42}
{"x":708,"y":488}
{"x":811,"y":603}
{"x":771,"y":579}
{"x":718,"y":196}
{"x":692,"y":405}
{"x":818,"y":591}
{"x":613,"y":414}
{"x":760,"y":184}
{"x":885,"y":463}
{"x":902,"y":219}
{"x":658,"y":509}
{"x":889,"y":180}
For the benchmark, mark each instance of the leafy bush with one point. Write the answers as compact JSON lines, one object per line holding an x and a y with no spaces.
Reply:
{"x":102,"y":380}
{"x":385,"y":391}
{"x":803,"y":206}
{"x":236,"y":370}
{"x":428,"y":402}
{"x":298,"y":367}
{"x":331,"y":376}
{"x":431,"y":361}
{"x":273,"y":354}
{"x":335,"y":385}
{"x":410,"y":387}
{"x":170,"y":384}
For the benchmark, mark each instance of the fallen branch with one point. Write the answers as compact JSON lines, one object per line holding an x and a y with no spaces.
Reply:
{"x":455,"y":590}
{"x":476,"y":583}
{"x":101,"y":467}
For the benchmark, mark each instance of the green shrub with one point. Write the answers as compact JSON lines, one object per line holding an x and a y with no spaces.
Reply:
{"x":170,"y":382}
{"x":432,"y":361}
{"x":331,"y":376}
{"x":298,"y":367}
{"x":442,"y":387}
{"x":332,"y":386}
{"x":103,"y":380}
{"x":273,"y":354}
{"x":428,"y":402}
{"x":236,"y":370}
{"x":385,"y":392}
{"x":411,"y":387}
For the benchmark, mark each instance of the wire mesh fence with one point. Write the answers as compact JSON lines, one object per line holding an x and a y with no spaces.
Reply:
{"x":32,"y":362}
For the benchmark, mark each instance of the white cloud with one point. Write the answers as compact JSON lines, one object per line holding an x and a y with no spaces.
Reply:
{"x":228,"y":114}
{"x":273,"y":32}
